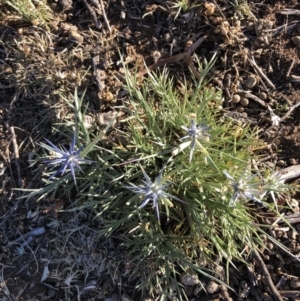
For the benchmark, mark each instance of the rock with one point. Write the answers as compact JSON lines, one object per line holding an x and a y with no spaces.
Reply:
{"x":73,"y":32}
{"x":75,"y":37}
{"x":262,"y":95}
{"x":296,"y":40}
{"x":251,"y":81}
{"x":280,"y":163}
{"x":88,"y":121}
{"x":293,"y":161}
{"x":103,"y":119}
{"x":244,"y":101}
{"x":236,"y":98}
{"x":240,"y":109}
{"x":212,"y":287}
{"x":189,"y":279}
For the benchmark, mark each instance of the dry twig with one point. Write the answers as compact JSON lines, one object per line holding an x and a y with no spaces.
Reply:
{"x":255,"y":98}
{"x":294,"y":78}
{"x":290,"y":173}
{"x":8,"y":164}
{"x":186,"y":57}
{"x":16,"y":152}
{"x":288,"y":113}
{"x":293,"y":218}
{"x":93,"y":14}
{"x":105,"y":17}
{"x":261,"y":73}
{"x":290,"y":11}
{"x":273,"y":289}
{"x":290,"y":68}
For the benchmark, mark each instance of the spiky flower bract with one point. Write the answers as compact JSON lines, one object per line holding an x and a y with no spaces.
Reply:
{"x":154,"y":191}
{"x":67,"y":159}
{"x":195,"y":132}
{"x":245,"y":188}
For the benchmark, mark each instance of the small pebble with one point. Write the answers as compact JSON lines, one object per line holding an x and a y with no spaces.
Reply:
{"x":250,"y":81}
{"x":88,"y":121}
{"x":270,"y":246}
{"x":123,"y":15}
{"x":212,"y":287}
{"x":293,"y":161}
{"x":296,"y":40}
{"x":109,"y":96}
{"x":236,"y":98}
{"x":103,"y":119}
{"x":244,"y":101}
{"x":75,"y":37}
{"x":189,"y":279}
{"x":280,"y":163}
{"x":240,"y":109}
{"x":262,"y":95}
{"x":261,"y":40}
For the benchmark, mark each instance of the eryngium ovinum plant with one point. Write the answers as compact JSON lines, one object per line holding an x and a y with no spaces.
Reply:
{"x":188,"y":195}
{"x":177,"y":186}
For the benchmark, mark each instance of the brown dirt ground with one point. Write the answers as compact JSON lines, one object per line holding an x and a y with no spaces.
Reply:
{"x":37,"y":64}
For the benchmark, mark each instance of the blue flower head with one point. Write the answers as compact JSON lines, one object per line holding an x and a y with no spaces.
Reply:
{"x":154,"y":191}
{"x":245,"y":188}
{"x":67,"y":159}
{"x":195,"y":132}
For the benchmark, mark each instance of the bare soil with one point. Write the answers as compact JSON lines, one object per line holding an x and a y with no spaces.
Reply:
{"x":81,"y":49}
